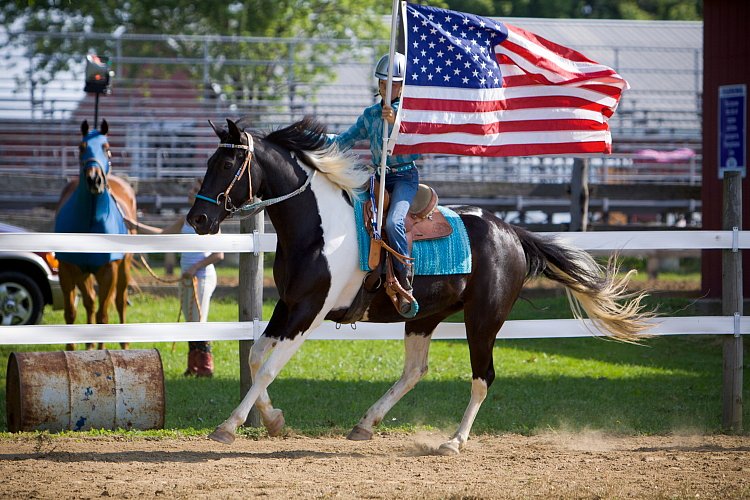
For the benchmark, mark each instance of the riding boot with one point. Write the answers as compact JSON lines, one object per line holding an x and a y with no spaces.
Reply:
{"x":192,"y":367}
{"x":205,"y":364}
{"x":407,"y":307}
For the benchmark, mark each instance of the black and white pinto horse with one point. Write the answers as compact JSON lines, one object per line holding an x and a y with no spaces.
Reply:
{"x":306,"y":186}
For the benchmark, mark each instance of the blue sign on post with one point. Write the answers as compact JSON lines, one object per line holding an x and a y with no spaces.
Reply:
{"x":732,"y":123}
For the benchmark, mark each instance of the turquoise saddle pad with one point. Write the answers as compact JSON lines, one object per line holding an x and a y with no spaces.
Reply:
{"x":450,"y":255}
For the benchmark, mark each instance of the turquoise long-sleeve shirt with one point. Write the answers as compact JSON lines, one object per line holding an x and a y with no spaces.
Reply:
{"x":370,"y":126}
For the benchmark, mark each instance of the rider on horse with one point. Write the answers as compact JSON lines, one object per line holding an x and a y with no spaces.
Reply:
{"x":402,"y":176}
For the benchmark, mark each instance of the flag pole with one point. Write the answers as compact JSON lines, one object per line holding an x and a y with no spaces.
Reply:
{"x":388,"y":96}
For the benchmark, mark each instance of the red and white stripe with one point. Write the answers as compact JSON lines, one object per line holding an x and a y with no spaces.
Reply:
{"x":554,"y":101}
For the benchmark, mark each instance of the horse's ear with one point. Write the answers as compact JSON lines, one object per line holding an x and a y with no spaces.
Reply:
{"x":84,"y":127}
{"x":105,"y":127}
{"x":234,"y":131}
{"x":217,"y":131}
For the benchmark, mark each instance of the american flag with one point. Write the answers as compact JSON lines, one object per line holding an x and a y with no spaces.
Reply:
{"x":479,"y":87}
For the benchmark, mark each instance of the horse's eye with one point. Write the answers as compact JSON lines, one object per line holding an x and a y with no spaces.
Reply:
{"x":228,"y":165}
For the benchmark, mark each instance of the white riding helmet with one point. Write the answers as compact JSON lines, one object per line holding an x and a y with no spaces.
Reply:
{"x":399,"y":67}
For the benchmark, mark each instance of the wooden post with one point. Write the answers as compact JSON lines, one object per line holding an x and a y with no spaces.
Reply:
{"x":250,"y":305}
{"x":579,"y":195}
{"x":731,"y":304}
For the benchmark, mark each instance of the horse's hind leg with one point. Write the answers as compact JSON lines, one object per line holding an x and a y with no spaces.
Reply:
{"x":416,"y":350}
{"x":481,"y":329}
{"x":479,"y":388}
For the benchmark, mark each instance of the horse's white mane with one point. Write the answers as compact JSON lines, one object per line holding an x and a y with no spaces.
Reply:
{"x":341,"y":168}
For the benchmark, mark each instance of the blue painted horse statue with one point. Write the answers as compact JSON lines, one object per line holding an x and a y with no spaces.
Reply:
{"x":307,"y":188}
{"x":95,"y":203}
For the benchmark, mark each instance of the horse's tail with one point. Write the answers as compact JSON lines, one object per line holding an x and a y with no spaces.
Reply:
{"x":591,"y":287}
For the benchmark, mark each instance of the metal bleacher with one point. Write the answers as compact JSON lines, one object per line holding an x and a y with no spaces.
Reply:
{"x":158,"y":125}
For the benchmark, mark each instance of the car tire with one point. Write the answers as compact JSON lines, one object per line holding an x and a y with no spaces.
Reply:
{"x":21,"y":299}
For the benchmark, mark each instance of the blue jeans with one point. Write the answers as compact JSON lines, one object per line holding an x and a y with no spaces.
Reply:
{"x":402,"y":187}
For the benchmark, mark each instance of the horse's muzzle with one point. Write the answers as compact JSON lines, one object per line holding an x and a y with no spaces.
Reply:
{"x":201,"y":223}
{"x":95,"y":180}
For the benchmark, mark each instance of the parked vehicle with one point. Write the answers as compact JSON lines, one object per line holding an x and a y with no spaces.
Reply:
{"x":28,"y":282}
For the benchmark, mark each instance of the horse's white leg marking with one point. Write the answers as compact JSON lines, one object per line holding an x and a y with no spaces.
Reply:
{"x":478,"y":393}
{"x":416,"y":349}
{"x":341,"y":252}
{"x":268,"y":371}
{"x":273,"y":419}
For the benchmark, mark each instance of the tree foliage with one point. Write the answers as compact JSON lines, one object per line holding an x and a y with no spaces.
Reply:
{"x":305,"y":20}
{"x":690,"y":10}
{"x":247,"y":71}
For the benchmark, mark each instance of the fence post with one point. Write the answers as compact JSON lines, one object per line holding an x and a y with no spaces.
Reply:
{"x":579,"y":195}
{"x":731,"y":305}
{"x":250,"y":305}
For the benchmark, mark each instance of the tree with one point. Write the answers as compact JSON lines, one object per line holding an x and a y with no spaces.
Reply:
{"x":689,"y":10}
{"x":267,"y":64}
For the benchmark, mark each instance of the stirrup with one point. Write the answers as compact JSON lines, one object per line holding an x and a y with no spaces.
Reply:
{"x":408,"y":309}
{"x":401,"y":298}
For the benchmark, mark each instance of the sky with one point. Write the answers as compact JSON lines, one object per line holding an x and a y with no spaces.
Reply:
{"x":15,"y":101}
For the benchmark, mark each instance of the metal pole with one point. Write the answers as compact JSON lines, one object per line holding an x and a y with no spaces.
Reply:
{"x":388,"y":96}
{"x":579,"y":195}
{"x":96,"y":111}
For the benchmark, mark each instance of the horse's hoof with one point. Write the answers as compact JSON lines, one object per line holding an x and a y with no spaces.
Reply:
{"x":276,"y":424}
{"x":448,"y":449}
{"x":359,"y":433}
{"x":222,"y":436}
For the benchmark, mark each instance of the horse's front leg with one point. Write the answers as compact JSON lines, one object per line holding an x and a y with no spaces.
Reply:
{"x":273,"y":419}
{"x":269,"y":369}
{"x":85,"y":284}
{"x":68,"y":286}
{"x":122,"y":281}
{"x":105,"y":277}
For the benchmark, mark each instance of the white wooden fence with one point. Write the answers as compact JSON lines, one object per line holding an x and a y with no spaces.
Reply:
{"x":596,"y":242}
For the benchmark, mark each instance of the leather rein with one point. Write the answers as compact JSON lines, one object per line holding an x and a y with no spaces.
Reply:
{"x":256,"y":207}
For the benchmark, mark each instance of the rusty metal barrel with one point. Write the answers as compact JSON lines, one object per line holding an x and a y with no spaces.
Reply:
{"x":83,"y":390}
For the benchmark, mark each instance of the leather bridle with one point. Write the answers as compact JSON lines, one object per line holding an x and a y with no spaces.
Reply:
{"x":245,"y":167}
{"x":251,"y":208}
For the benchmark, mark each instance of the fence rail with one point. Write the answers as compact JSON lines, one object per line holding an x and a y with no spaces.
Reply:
{"x":257,"y":242}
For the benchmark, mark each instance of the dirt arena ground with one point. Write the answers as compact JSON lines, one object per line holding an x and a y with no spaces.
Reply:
{"x":584,"y":465}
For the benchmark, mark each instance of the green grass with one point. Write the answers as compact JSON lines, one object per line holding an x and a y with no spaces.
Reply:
{"x":669,"y":384}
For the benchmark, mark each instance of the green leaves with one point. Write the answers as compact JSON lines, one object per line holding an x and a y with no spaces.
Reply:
{"x":242,"y":71}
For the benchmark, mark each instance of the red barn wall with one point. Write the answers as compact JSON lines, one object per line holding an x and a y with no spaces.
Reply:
{"x":726,"y":61}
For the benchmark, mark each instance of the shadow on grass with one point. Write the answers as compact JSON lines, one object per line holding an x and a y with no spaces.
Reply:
{"x":673,"y":385}
{"x":525,"y":404}
{"x":686,"y":352}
